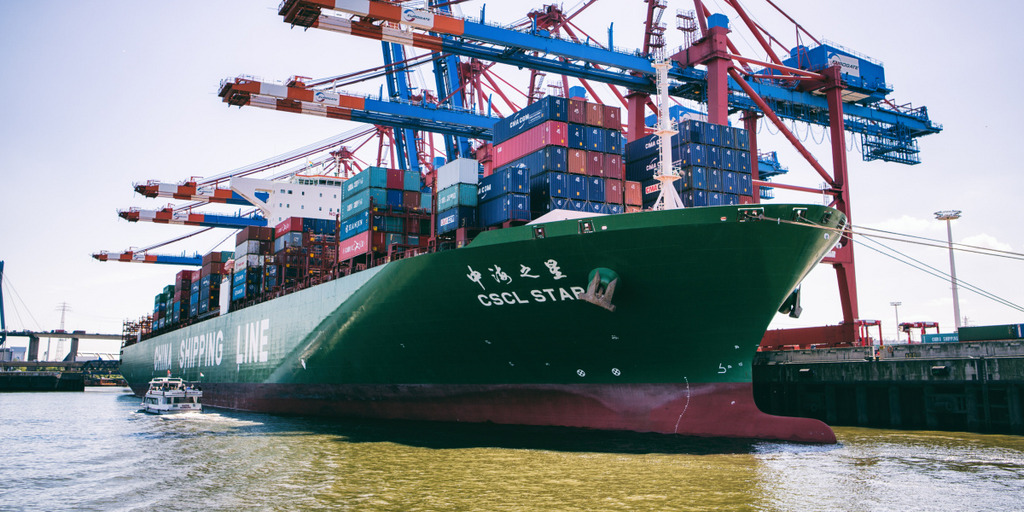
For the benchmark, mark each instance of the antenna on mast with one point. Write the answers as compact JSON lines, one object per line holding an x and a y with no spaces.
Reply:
{"x":668,"y":198}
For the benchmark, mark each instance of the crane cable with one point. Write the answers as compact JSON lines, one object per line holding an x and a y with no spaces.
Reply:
{"x":928,"y":269}
{"x":927,"y":242}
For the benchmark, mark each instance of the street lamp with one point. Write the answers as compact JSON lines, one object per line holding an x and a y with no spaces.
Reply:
{"x":948,"y":215}
{"x":896,"y":305}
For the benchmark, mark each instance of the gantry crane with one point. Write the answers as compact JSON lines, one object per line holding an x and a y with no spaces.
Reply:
{"x":774,"y":88}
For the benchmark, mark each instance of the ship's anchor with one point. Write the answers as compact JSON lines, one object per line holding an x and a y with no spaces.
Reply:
{"x":601,"y":287}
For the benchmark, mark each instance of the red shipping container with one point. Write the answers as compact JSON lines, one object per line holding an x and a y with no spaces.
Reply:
{"x":577,"y":111}
{"x":577,"y":161}
{"x":411,"y":199}
{"x":746,"y":199}
{"x":354,"y":246}
{"x":632,"y":209}
{"x":611,"y":118}
{"x":396,"y":179}
{"x":595,"y":163}
{"x":634,"y":193}
{"x":613,"y":191}
{"x":595,"y":114}
{"x":551,"y":133}
{"x":378,"y":241}
{"x":613,"y":167}
{"x":288,"y":225}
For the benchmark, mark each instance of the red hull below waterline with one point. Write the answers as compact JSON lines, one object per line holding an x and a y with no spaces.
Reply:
{"x":703,"y":410}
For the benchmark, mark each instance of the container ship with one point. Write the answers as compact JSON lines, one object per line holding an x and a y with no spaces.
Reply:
{"x":530,"y":287}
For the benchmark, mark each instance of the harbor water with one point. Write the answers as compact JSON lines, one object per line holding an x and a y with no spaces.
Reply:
{"x":95,"y":451}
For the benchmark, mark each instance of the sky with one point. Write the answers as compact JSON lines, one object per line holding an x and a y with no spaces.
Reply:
{"x":101,"y":95}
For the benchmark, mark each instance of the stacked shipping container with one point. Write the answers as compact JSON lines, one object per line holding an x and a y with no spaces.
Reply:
{"x":210,"y":277}
{"x":254,"y":262}
{"x":714,"y":164}
{"x":383,"y":208}
{"x":581,"y":170}
{"x":302,"y":248}
{"x":457,"y":195}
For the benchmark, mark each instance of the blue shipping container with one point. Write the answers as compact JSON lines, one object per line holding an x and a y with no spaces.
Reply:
{"x":577,"y":205}
{"x":457,"y":217}
{"x":593,"y":207}
{"x":505,"y":208}
{"x":714,"y":155}
{"x":715,"y":180}
{"x":644,"y":169}
{"x":730,"y":199}
{"x":711,"y":136}
{"x":742,"y":139}
{"x":643,"y":147}
{"x":695,"y":198}
{"x":394,"y":198}
{"x":595,"y":189}
{"x":550,"y":158}
{"x":515,"y":181}
{"x":692,"y":130}
{"x":746,"y":184}
{"x":595,"y":139}
{"x":577,"y":187}
{"x":355,"y":225}
{"x":743,"y":161}
{"x":730,"y":182}
{"x":613,"y":209}
{"x":728,"y":162}
{"x":727,"y":136}
{"x":612,"y":142}
{"x":715,"y":199}
{"x":549,"y":108}
{"x":550,"y":184}
{"x":318,"y":226}
{"x":577,"y":136}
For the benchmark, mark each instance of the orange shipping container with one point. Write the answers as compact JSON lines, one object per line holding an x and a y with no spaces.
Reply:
{"x":595,"y":114}
{"x":634,"y":193}
{"x":611,"y":117}
{"x":577,"y":161}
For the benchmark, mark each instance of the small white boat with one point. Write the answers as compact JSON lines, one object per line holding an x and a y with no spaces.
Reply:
{"x":170,"y":395}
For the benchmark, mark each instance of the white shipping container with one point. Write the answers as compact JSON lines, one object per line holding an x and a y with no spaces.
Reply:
{"x":460,"y":170}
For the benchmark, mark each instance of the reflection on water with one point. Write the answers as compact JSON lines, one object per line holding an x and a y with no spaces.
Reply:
{"x":104,"y":455}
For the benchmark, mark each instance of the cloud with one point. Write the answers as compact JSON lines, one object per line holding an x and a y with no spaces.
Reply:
{"x":910,"y":225}
{"x":987,"y":241}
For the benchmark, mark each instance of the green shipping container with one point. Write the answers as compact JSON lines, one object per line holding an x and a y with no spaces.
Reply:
{"x":460,"y":194}
{"x":992,"y":332}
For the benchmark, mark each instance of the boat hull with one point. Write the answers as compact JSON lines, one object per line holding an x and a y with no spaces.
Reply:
{"x":499,"y":332}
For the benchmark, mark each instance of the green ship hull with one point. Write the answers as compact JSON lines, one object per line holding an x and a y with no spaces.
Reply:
{"x":501,"y":331}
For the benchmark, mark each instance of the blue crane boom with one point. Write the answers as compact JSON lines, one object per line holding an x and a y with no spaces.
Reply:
{"x":889,"y":132}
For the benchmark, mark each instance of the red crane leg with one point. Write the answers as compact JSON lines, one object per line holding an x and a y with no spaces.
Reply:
{"x":843,"y":260}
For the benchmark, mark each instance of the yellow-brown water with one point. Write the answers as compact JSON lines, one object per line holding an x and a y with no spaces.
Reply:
{"x":93,"y":451}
